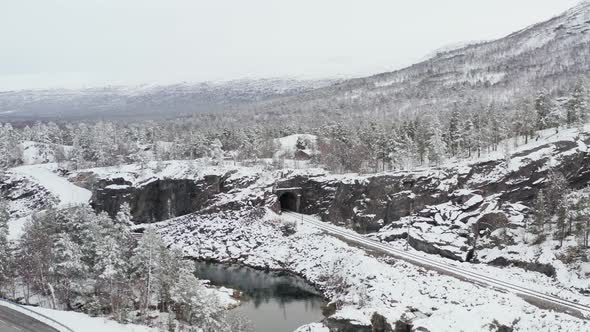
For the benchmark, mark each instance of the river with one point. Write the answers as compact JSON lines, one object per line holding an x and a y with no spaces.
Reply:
{"x":273,"y":301}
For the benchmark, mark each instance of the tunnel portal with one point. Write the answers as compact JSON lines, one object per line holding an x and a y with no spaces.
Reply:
{"x":288,"y":202}
{"x":289,"y":198}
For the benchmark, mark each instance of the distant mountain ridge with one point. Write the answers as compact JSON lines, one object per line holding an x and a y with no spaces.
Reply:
{"x":145,"y":101}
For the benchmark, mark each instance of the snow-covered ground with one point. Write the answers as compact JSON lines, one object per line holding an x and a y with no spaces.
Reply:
{"x":80,"y":322}
{"x":64,"y":321}
{"x":394,"y":289}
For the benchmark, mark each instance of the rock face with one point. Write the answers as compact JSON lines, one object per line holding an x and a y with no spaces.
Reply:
{"x":368,"y":203}
{"x":24,"y":196}
{"x":156,"y":200}
{"x":451,"y":206}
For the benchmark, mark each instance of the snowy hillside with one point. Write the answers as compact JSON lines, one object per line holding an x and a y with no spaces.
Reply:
{"x":551,"y":55}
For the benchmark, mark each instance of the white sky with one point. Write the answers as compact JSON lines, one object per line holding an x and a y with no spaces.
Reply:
{"x":73,"y":43}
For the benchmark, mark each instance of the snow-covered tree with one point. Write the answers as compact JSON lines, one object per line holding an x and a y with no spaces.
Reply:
{"x":35,"y":256}
{"x":196,"y":306}
{"x":557,"y":189}
{"x":577,"y":106}
{"x":67,"y":269}
{"x":146,"y":266}
{"x":540,"y":215}
{"x":455,"y":133}
{"x":437,"y":147}
{"x":124,"y":216}
{"x":112,"y":273}
{"x":543,"y":108}
{"x":5,"y":253}
{"x":216,"y":152}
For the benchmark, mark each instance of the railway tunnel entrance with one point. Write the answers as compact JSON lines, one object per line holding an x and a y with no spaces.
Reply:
{"x":288,"y":202}
{"x":289,"y":198}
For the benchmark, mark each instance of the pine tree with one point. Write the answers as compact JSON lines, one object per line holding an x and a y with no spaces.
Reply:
{"x":381,"y":148}
{"x":437,"y":147}
{"x":35,"y":257}
{"x":525,"y":122}
{"x":577,"y":106}
{"x":172,"y":266}
{"x":5,"y":254}
{"x":369,"y":138}
{"x":454,"y":133}
{"x":477,"y":135}
{"x":67,"y":269}
{"x":422,"y":138}
{"x":216,"y":152}
{"x":543,"y":109}
{"x":146,"y":266}
{"x":582,"y":218}
{"x":407,"y":153}
{"x":470,"y":136}
{"x":497,"y":126}
{"x":562,"y":221}
{"x":196,"y":306}
{"x":112,"y":272}
{"x":540,"y":215}
{"x":557,"y":189}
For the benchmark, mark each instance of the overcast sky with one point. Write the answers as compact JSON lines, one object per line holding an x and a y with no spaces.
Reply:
{"x":73,"y":43}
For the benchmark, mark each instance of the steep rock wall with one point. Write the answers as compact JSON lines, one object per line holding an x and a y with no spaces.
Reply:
{"x":157,"y":200}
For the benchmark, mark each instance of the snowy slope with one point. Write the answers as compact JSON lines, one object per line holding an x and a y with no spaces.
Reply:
{"x":41,"y":188}
{"x":44,"y":175}
{"x":551,"y":55}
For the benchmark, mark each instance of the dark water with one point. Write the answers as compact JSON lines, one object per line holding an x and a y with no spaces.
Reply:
{"x":273,"y":302}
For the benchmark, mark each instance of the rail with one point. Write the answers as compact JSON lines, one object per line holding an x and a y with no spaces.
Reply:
{"x":36,"y":315}
{"x":573,"y":308}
